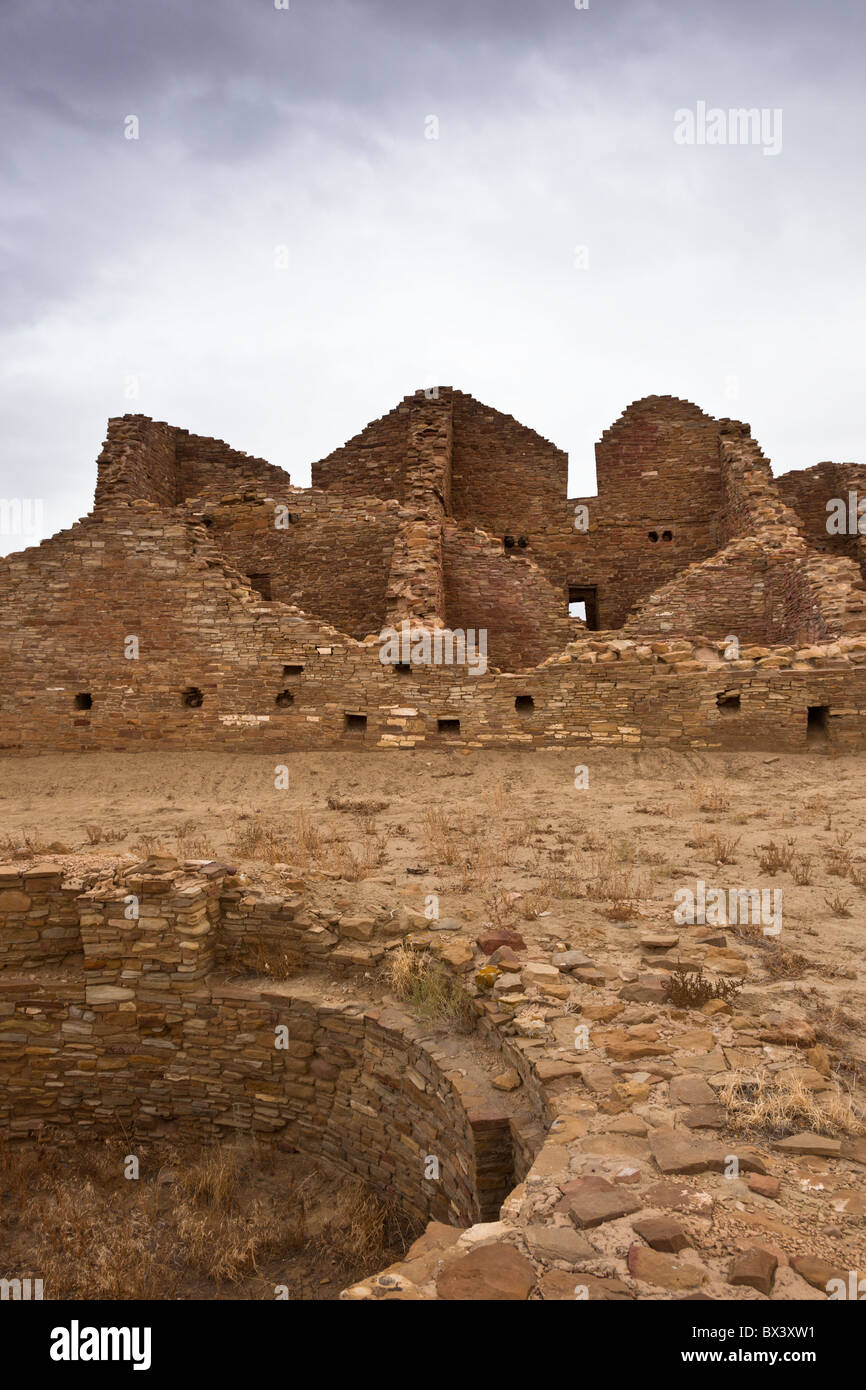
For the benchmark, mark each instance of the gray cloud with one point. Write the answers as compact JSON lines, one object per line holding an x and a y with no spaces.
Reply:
{"x":149,"y":266}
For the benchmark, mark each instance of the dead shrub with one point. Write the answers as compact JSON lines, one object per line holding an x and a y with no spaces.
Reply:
{"x":774,"y":858}
{"x":689,"y":989}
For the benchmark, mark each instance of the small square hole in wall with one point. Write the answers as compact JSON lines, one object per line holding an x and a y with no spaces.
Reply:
{"x":192,"y":697}
{"x":402,"y":668}
{"x":355,"y":723}
{"x":449,"y":728}
{"x":817,"y":724}
{"x":292,"y":670}
{"x":653,"y":535}
{"x":284,"y":699}
{"x":524,"y":704}
{"x":262,"y":584}
{"x":728,"y":704}
{"x":84,"y":700}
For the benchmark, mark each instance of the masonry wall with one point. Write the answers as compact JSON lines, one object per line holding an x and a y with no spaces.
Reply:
{"x":525,"y":618}
{"x":506,"y":479}
{"x":134,"y":1025}
{"x":372,"y":463}
{"x":148,"y":460}
{"x":331,"y":559}
{"x":809,"y":490}
{"x":659,"y":497}
{"x":137,"y":462}
{"x":759,"y":596}
{"x":210,"y":468}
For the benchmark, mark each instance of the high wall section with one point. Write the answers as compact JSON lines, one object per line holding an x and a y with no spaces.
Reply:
{"x":148,"y":460}
{"x":254,"y":608}
{"x":324,"y":555}
{"x":137,"y":462}
{"x":509,"y":597}
{"x":815,"y":493}
{"x":373,"y":463}
{"x":659,"y":496}
{"x":505,"y":478}
{"x":209,"y":468}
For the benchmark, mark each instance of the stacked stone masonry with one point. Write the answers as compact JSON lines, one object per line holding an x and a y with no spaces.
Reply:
{"x":207,"y":602}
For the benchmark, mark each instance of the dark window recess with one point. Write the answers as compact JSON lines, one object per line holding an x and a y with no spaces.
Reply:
{"x":508,"y":542}
{"x":355,"y":723}
{"x":262,"y":585}
{"x":587,"y":594}
{"x":402,"y":668}
{"x":524,"y":704}
{"x":667,"y":535}
{"x":449,"y":728}
{"x":523,"y":542}
{"x":84,"y":700}
{"x":292,"y":670}
{"x":818,"y":723}
{"x":192,"y":697}
{"x":653,"y":535}
{"x":284,"y":699}
{"x":728,"y":704}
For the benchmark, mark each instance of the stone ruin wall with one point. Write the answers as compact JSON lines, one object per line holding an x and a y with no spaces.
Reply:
{"x":161,"y":1024}
{"x":182,"y":551}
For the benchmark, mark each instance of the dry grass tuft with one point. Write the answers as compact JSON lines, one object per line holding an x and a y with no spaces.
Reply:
{"x":425,"y":985}
{"x":774,"y":1105}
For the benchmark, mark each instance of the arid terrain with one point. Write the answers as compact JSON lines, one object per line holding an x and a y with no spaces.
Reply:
{"x":501,"y":841}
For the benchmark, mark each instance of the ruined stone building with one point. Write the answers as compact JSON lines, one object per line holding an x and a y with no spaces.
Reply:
{"x":696,"y":600}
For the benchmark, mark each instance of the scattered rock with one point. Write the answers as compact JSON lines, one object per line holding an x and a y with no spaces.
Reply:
{"x":755,"y":1267}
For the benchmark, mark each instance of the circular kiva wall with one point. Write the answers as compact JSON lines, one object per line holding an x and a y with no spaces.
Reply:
{"x":379,"y":1097}
{"x":364,"y":1087}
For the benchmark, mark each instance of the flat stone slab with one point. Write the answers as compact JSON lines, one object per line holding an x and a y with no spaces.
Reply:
{"x":556,"y":1284}
{"x":676,"y":1154}
{"x":593,"y":1206}
{"x":692,"y":1090}
{"x":559,"y":1243}
{"x":818,"y":1145}
{"x":497,"y":1272}
{"x":664,"y":1270}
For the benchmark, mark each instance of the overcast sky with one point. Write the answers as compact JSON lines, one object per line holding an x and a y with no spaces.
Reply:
{"x":283,"y":252}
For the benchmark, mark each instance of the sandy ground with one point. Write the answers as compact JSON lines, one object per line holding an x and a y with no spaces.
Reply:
{"x":586,"y":856}
{"x":483,"y":825}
